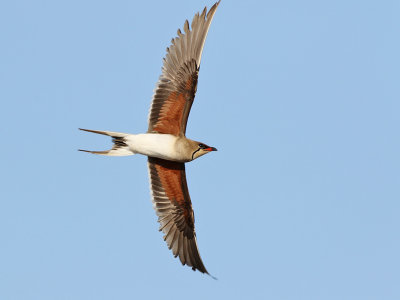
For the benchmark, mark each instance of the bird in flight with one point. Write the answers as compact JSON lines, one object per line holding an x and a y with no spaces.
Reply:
{"x":165,"y":142}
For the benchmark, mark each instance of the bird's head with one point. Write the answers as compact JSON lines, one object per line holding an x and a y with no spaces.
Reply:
{"x":200,"y":149}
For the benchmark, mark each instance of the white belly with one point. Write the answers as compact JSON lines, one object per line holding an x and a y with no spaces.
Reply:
{"x":153,"y":144}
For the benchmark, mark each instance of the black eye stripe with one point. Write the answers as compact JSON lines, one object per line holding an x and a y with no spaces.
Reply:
{"x":202,"y":146}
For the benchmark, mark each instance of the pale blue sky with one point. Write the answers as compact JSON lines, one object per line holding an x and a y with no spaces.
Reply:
{"x":302,"y":100}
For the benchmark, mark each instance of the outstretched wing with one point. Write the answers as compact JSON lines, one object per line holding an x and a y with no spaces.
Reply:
{"x":176,"y":87}
{"x":172,"y":204}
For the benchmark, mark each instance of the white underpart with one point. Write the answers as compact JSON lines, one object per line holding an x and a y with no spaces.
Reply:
{"x":153,"y":144}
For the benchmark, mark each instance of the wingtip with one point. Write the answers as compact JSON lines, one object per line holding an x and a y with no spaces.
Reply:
{"x":205,"y":272}
{"x":213,"y":277}
{"x":216,"y":4}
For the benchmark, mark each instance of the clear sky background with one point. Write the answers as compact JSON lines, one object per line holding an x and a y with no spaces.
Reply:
{"x":302,"y":100}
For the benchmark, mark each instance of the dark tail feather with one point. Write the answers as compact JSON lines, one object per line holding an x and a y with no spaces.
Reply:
{"x":120,"y":147}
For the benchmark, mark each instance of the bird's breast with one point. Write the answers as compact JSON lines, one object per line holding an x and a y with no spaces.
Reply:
{"x":163,"y":146}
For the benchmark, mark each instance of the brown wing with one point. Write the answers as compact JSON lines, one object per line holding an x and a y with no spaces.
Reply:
{"x":176,"y":87}
{"x":172,"y":204}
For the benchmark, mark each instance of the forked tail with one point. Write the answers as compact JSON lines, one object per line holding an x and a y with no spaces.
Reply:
{"x":120,"y":147}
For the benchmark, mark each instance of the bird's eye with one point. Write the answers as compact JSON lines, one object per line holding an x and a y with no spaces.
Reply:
{"x":201,"y":146}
